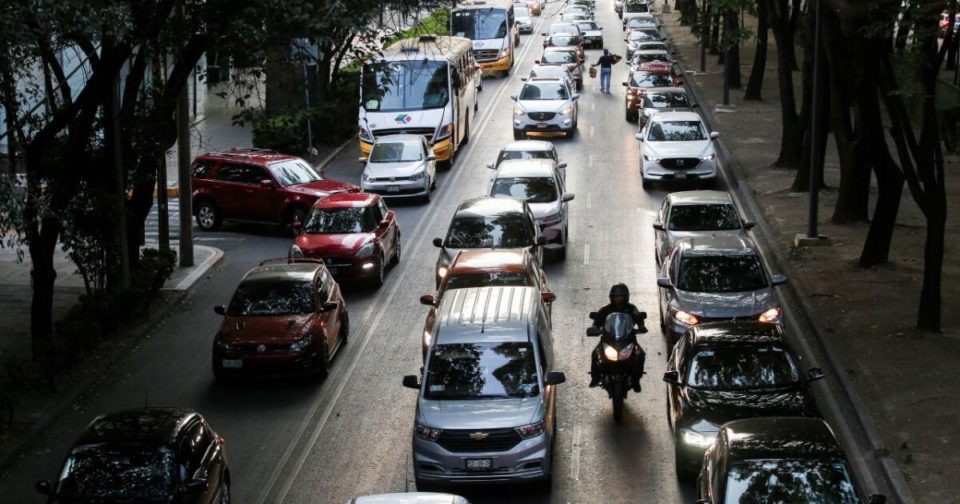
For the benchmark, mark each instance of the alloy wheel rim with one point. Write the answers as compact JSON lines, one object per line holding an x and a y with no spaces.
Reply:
{"x":206,"y":216}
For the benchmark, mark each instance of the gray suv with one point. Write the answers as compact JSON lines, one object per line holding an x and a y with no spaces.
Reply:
{"x":486,"y":412}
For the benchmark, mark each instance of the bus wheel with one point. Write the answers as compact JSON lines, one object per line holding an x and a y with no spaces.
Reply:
{"x":466,"y":131}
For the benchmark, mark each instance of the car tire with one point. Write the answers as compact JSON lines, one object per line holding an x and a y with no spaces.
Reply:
{"x":377,"y":280}
{"x":396,"y":254}
{"x":225,"y":492}
{"x":647,"y":185}
{"x":571,"y":132}
{"x":681,"y":470}
{"x":345,"y":328}
{"x":632,"y":116}
{"x":518,"y":134}
{"x":208,"y":216}
{"x":465,"y":139}
{"x":426,"y":196}
{"x":323,"y":363}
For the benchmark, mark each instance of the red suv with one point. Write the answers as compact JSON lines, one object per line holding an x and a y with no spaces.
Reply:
{"x":257,"y":185}
{"x":355,"y":235}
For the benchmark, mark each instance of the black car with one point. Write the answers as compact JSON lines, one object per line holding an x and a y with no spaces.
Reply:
{"x":778,"y":460}
{"x":729,"y":370}
{"x":144,"y":455}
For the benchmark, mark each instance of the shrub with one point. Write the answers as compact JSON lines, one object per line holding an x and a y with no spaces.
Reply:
{"x":153,"y":270}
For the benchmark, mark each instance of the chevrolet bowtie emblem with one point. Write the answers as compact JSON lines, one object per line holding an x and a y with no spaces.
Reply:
{"x":479,"y":436}
{"x":261,"y":348}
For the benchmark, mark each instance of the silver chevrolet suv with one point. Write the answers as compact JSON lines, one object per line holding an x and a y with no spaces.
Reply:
{"x":486,"y":412}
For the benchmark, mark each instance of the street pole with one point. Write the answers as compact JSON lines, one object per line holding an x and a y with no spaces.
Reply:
{"x":727,"y":59}
{"x":306,"y":98}
{"x":123,"y":248}
{"x":814,"y":126}
{"x":163,"y":216}
{"x":183,"y":179}
{"x":704,"y":35}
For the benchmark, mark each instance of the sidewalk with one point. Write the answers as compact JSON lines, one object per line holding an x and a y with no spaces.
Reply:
{"x":907,"y":378}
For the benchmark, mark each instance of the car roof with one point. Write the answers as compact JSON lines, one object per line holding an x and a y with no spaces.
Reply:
{"x":781,"y":437}
{"x":699,"y":197}
{"x":347,"y":200}
{"x":487,"y":206}
{"x":559,"y":49}
{"x":398,"y":137}
{"x":480,"y":260}
{"x":711,"y":245}
{"x":677,"y":116}
{"x":526,"y":168}
{"x":251,"y":154}
{"x":486,"y":313}
{"x":151,"y":425}
{"x":408,"y":498}
{"x":301,"y":271}
{"x":748,"y":333}
{"x":528,"y":145}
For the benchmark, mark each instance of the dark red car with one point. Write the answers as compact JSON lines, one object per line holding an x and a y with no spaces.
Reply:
{"x":355,"y":235}
{"x":257,"y":185}
{"x":287,"y":316}
{"x":639,"y":82}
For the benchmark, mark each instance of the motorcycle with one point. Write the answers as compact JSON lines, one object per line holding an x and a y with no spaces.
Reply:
{"x":618,"y":358}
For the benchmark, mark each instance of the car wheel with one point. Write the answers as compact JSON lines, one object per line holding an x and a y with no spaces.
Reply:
{"x":632,"y":116}
{"x":323,"y":363}
{"x":571,"y":132}
{"x":345,"y":328}
{"x":208,"y":216}
{"x":426,"y":195}
{"x":396,"y":254}
{"x":225,"y":492}
{"x":683,"y":473}
{"x":377,"y":280}
{"x":518,"y":134}
{"x":647,"y":185}
{"x":466,"y":131}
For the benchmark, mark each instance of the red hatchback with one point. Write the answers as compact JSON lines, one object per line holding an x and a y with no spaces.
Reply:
{"x":355,"y":235}
{"x":257,"y":185}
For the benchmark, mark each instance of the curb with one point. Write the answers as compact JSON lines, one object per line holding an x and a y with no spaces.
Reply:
{"x":40,"y":427}
{"x":735,"y":177}
{"x":200,"y":270}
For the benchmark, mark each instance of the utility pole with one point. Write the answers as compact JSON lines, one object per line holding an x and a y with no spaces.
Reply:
{"x":727,"y":59}
{"x":163,"y":217}
{"x":813,"y":237}
{"x":704,"y":35}
{"x":119,"y":186}
{"x":183,"y":179}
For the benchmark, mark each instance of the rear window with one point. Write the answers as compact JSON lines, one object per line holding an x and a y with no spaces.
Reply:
{"x":529,"y":189}
{"x":524,"y":154}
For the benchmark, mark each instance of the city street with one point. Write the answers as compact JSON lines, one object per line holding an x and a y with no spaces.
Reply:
{"x":304,"y":441}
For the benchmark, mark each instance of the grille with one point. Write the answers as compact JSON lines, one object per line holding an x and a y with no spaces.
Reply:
{"x":497,"y":440}
{"x":542,"y":116}
{"x":400,"y":192}
{"x":680,"y":163}
{"x":390,"y":179}
{"x":251,"y":349}
{"x":485,"y":54}
{"x":427,"y":132}
{"x":335,"y":263}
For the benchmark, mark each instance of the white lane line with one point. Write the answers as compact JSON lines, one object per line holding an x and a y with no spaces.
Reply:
{"x":575,"y":457}
{"x":591,"y":130}
{"x":586,"y":253}
{"x":589,"y":201}
{"x":425,"y":223}
{"x":590,"y":161}
{"x":593,"y":107}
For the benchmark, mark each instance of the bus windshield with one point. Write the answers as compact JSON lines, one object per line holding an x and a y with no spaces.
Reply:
{"x":405,"y":85}
{"x":480,"y":24}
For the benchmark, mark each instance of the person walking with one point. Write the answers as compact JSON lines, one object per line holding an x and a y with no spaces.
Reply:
{"x":606,"y":63}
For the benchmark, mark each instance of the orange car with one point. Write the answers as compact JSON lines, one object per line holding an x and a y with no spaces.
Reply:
{"x":487,"y":268}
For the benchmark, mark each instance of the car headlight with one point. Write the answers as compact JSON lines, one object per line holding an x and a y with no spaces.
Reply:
{"x":301,"y":344}
{"x":610,"y":353}
{"x":365,"y":251}
{"x":417,"y":176}
{"x":531,"y":430}
{"x":708,"y":157}
{"x":686,"y":318}
{"x":651,"y":159}
{"x":517,"y":111}
{"x":772,"y":315}
{"x":443,"y":132}
{"x":627,"y":351}
{"x":567,"y":111}
{"x":223,"y":345}
{"x":426,"y":432}
{"x":504,"y":52}
{"x":295,"y":251}
{"x":365,"y":135}
{"x":697,"y":439}
{"x":442,"y":271}
{"x":365,"y":177}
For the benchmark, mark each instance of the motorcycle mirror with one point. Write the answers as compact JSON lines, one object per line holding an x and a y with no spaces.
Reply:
{"x":664,"y":282}
{"x":593,"y":315}
{"x":672,"y":377}
{"x":594,"y":332}
{"x":548,"y":297}
{"x":643,"y":315}
{"x":657,"y":226}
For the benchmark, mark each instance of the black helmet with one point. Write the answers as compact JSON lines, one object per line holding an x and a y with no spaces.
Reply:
{"x":620,"y":289}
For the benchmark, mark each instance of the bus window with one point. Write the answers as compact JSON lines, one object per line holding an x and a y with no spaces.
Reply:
{"x":480,"y":24}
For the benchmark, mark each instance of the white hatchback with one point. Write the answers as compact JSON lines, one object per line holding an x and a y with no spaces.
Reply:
{"x":400,"y":165}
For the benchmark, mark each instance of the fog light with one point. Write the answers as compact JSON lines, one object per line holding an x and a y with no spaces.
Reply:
{"x":367,"y":265}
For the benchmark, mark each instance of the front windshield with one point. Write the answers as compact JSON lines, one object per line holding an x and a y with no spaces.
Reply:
{"x":481,"y":371}
{"x":544,"y":91}
{"x":405,"y":85}
{"x":648,"y":57}
{"x":652,"y":46}
{"x":480,"y":24}
{"x":719,"y":274}
{"x":677,"y":131}
{"x":499,"y":231}
{"x":128,"y":472}
{"x":524,"y":154}
{"x":703,"y":218}
{"x":558,"y":57}
{"x":529,"y":189}
{"x":666,"y":99}
{"x":642,"y":36}
{"x":564,"y":40}
{"x":340,"y":221}
{"x":789,"y":481}
{"x":635,"y":23}
{"x":649,"y":80}
{"x":272,"y":297}
{"x":619,"y":325}
{"x":521,"y":12}
{"x":294,"y":172}
{"x":488,"y":279}
{"x":736,"y":368}
{"x":396,"y":152}
{"x":635,"y":7}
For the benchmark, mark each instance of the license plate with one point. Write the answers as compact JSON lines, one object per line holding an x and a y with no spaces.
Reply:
{"x":541,"y":125}
{"x":680,"y":175}
{"x":479,"y":464}
{"x":393,"y":188}
{"x":232,"y":363}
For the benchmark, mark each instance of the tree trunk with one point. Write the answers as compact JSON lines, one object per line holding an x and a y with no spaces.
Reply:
{"x":714,"y":47}
{"x":929,"y":314}
{"x":688,"y":12}
{"x":755,"y":83}
{"x":791,"y":33}
{"x":791,"y":132}
{"x":43,"y":277}
{"x":876,"y":247}
{"x":731,"y":23}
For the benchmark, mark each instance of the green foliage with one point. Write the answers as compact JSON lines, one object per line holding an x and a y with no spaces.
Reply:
{"x":437,"y":23}
{"x":87,"y":236}
{"x":153,"y":270}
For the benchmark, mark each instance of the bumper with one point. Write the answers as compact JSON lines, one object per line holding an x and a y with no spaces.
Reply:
{"x":527,"y":461}
{"x":442,"y":149}
{"x":689,"y":457}
{"x":397,"y":189}
{"x":595,"y":42}
{"x":287,"y":364}
{"x":558,"y":123}
{"x":705,"y":170}
{"x":496,"y":65}
{"x":346,"y":269}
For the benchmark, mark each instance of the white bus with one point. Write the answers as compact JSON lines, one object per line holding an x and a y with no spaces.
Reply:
{"x":490,"y":24}
{"x":424,"y":86}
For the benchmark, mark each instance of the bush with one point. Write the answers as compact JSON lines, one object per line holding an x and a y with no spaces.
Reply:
{"x":153,"y":271}
{"x":282,"y":133}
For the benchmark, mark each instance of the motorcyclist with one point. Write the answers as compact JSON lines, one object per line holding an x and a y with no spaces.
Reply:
{"x":619,"y":303}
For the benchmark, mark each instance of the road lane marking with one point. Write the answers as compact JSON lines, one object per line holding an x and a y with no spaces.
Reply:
{"x":591,"y":130}
{"x":590,"y":161}
{"x":593,"y":107}
{"x":589,"y":201}
{"x":586,"y":253}
{"x":575,"y":467}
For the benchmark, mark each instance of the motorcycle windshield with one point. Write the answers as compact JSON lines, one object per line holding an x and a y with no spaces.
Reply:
{"x":619,"y":326}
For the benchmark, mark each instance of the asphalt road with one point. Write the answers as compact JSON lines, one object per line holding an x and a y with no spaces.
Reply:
{"x":350,"y":435}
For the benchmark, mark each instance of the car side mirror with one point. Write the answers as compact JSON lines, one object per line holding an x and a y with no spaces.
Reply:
{"x":384,"y":223}
{"x":43,"y":486}
{"x":877,"y":499}
{"x":714,"y":134}
{"x":220,"y":310}
{"x":554,"y":378}
{"x":195,"y":483}
{"x":432,"y":157}
{"x":565,"y":197}
{"x":543,"y":35}
{"x":664,"y":283}
{"x":575,"y":97}
{"x":328,"y":306}
{"x":748,"y":224}
{"x":639,"y":136}
{"x":562,"y":164}
{"x":491,"y":166}
{"x":412,"y":382}
{"x":266,"y":183}
{"x":362,"y":160}
{"x":438,"y":242}
{"x":541,"y":240}
{"x":815,"y":373}
{"x":428,"y":299}
{"x":657,"y":226}
{"x":513,"y":97}
{"x":536,"y":62}
{"x":523,"y":79}
{"x":548,"y":297}
{"x":778,"y":279}
{"x":600,"y":28}
{"x":624,"y":83}
{"x":695,"y":105}
{"x":672,"y":377}
{"x":593,"y":332}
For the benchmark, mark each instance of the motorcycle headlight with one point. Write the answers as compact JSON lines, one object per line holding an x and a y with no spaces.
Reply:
{"x":443,"y":132}
{"x":708,"y":157}
{"x":627,"y":351}
{"x":426,"y":432}
{"x":610,"y":353}
{"x":365,"y":251}
{"x":295,"y":251}
{"x":531,"y":430}
{"x":697,"y":439}
{"x":567,"y":111}
{"x":772,"y":315}
{"x":365,"y":135}
{"x":301,"y":344}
